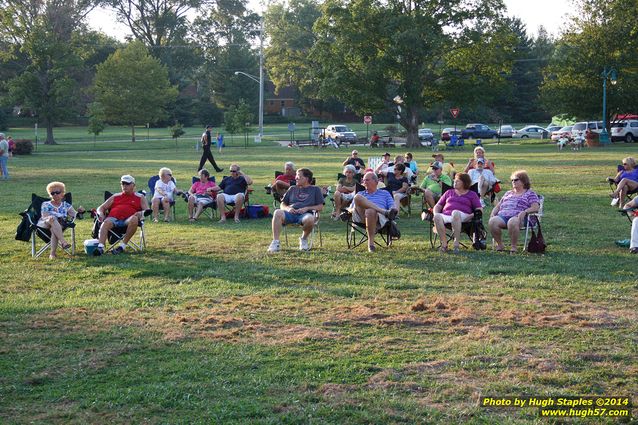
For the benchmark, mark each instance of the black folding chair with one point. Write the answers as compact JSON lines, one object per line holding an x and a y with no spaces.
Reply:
{"x":116,"y":234}
{"x":474,"y":229}
{"x":356,"y":232}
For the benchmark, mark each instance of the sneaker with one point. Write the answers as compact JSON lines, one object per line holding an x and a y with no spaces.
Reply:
{"x":275,"y":246}
{"x":614,"y":202}
{"x":303,"y":244}
{"x":633,"y":250}
{"x":371,"y":248}
{"x":118,"y":250}
{"x":482,"y":203}
{"x":98,"y":251}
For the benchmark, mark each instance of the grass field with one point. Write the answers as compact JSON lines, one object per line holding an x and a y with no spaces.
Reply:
{"x":205,"y":327}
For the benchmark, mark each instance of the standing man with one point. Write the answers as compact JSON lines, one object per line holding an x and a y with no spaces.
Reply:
{"x":4,"y":157}
{"x":234,"y":188}
{"x":297,"y":207}
{"x":206,"y":153}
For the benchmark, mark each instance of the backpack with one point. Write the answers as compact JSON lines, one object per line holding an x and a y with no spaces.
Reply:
{"x":24,"y":229}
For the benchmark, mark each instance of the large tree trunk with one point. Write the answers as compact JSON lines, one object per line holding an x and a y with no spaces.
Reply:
{"x":132,"y":133}
{"x":410,"y":121}
{"x":50,"y":140}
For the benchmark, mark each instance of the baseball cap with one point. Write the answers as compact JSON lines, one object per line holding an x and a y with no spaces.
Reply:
{"x":127,"y":178}
{"x":436,"y":165}
{"x":438,"y":154}
{"x":481,"y":160}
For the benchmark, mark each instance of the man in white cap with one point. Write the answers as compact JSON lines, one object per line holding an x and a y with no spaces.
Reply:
{"x":124,"y":210}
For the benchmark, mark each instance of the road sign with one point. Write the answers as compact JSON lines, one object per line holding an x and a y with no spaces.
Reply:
{"x":455,"y":112}
{"x":291,"y":127}
{"x":367,"y":119}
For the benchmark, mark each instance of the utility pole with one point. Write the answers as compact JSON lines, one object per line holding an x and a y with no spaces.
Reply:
{"x":261,"y":79}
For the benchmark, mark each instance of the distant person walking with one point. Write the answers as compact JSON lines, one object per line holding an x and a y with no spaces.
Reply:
{"x":207,"y":154}
{"x":4,"y":157}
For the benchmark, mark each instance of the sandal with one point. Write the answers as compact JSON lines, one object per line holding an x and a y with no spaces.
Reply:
{"x":65,"y":245}
{"x":512,"y":251}
{"x":192,"y":219}
{"x":237,"y":220}
{"x":443,"y":249}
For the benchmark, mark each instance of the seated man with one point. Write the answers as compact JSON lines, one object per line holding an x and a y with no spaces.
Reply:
{"x":355,"y":161}
{"x":397,"y":184}
{"x":373,"y":207}
{"x":124,"y":210}
{"x":374,"y":140}
{"x":234,"y":187}
{"x":283,"y":182}
{"x":432,"y":185}
{"x":297,"y":207}
{"x":201,"y":194}
{"x":382,"y":168}
{"x":448,"y":167}
{"x":407,"y":172}
{"x":483,"y":177}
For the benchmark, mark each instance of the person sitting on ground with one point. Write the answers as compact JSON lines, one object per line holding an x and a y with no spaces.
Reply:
{"x":511,"y":211}
{"x":631,"y":207}
{"x":283,"y":181}
{"x":411,"y":164}
{"x":626,"y":181}
{"x":448,"y":167}
{"x":234,"y":188}
{"x":345,"y":192}
{"x":297,"y":207}
{"x":201,"y":194}
{"x":373,"y":207}
{"x":355,"y":161}
{"x":374,"y":140}
{"x":456,"y":206}
{"x":125,"y":209}
{"x":164,"y":193}
{"x":54,"y":214}
{"x":397,"y":184}
{"x":432,"y":184}
{"x":483,"y":178}
{"x":479,"y":152}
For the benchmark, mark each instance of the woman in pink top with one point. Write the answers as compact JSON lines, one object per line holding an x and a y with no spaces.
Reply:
{"x":201,"y":194}
{"x":511,"y":211}
{"x":456,"y":207}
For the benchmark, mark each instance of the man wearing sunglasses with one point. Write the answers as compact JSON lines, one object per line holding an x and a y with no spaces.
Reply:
{"x":125,"y":209}
{"x":234,"y":188}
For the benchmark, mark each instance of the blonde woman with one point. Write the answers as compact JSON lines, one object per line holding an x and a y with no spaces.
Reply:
{"x":54,"y":214}
{"x":479,"y":152}
{"x":626,"y":180}
{"x":164,"y":193}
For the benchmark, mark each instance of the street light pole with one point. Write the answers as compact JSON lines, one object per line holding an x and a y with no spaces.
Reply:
{"x":611,"y":74}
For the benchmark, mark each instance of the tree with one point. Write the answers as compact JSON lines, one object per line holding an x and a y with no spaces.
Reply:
{"x":409,"y":55}
{"x":42,"y":40}
{"x":237,"y":116}
{"x":96,"y":125}
{"x":133,"y":87}
{"x":602,"y":38}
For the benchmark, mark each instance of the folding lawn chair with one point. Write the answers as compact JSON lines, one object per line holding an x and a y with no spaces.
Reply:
{"x":116,"y":234}
{"x":474,"y":229}
{"x":316,"y":230}
{"x":230,"y":206}
{"x":356,"y":232}
{"x":30,"y":218}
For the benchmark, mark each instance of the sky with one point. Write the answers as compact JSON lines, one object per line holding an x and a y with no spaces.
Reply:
{"x":534,"y":13}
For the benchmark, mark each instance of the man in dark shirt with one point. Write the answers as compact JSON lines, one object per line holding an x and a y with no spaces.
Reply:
{"x":354,"y":159}
{"x":206,"y":153}
{"x":397,"y":184}
{"x":234,"y":188}
{"x":297,"y":207}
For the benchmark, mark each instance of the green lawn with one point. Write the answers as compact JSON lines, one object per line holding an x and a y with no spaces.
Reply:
{"x":206,"y":327}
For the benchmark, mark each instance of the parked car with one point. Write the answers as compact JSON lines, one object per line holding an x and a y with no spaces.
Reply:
{"x":580,"y":128}
{"x":624,"y":130}
{"x":506,"y":131}
{"x":553,"y":127}
{"x":340,"y":133}
{"x":426,"y":134}
{"x":532,"y":132}
{"x":447,"y":133}
{"x":478,"y":131}
{"x":563,"y":132}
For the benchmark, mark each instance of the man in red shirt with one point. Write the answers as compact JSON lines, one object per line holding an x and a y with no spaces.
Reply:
{"x":283,"y":182}
{"x":124,"y":210}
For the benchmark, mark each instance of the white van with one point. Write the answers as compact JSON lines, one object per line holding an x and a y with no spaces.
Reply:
{"x":580,"y":128}
{"x":624,"y":130}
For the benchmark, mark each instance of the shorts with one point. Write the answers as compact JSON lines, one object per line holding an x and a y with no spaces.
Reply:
{"x":506,"y":218}
{"x":381,"y":219}
{"x":290,"y":218}
{"x":401,"y":195}
{"x":160,"y":197}
{"x":448,"y":218}
{"x":117,"y":222}
{"x":347,"y":196}
{"x":203,"y":199}
{"x":230,"y":199}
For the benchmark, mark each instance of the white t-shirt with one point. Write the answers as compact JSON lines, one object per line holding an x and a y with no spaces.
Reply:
{"x":489,"y":177}
{"x":167,"y":188}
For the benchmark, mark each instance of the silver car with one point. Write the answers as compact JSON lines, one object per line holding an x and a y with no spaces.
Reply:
{"x":506,"y":131}
{"x":532,"y":132}
{"x":426,"y":134}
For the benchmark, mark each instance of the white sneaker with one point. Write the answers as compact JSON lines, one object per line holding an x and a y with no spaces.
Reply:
{"x":482,"y":203}
{"x":303,"y":244}
{"x":275,"y":246}
{"x":614,"y":202}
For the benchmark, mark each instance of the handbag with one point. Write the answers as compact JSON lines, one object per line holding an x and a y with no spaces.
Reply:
{"x":537,"y":242}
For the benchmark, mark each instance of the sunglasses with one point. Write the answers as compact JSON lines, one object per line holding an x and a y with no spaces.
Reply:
{"x":56,"y":192}
{"x":125,"y":183}
{"x":169,"y":174}
{"x":234,"y":171}
{"x":515,"y":180}
{"x":624,"y":164}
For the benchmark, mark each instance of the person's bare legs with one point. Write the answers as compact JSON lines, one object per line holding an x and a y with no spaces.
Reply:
{"x":307,"y":224}
{"x":338,"y":202}
{"x":371,"y":218}
{"x":439,"y":224}
{"x":429,"y":198}
{"x":198,"y":211}
{"x":166,"y":204}
{"x":191,"y":206}
{"x":105,"y":228}
{"x":397,"y":200}
{"x":155,"y":205}
{"x":221,"y":207}
{"x":496,"y":226}
{"x":131,"y":228}
{"x":239,"y":201}
{"x":513,"y":228}
{"x":281,"y":187}
{"x":277,"y":223}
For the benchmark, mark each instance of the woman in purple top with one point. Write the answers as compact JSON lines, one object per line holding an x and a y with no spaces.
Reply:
{"x":512,"y":209}
{"x":626,"y":180}
{"x":456,"y":207}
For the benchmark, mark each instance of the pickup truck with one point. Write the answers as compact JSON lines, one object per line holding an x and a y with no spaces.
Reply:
{"x":340,"y":133}
{"x":478,"y":131}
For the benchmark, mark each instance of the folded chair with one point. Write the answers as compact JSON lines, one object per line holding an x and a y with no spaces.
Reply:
{"x":356,"y":232}
{"x":474,"y":230}
{"x":316,"y":230}
{"x":30,"y":217}
{"x":151,"y":186}
{"x":210,"y":209}
{"x":116,"y":234}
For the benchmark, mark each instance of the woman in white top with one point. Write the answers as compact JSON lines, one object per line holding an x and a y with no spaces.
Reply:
{"x":164,"y":193}
{"x":54,"y":214}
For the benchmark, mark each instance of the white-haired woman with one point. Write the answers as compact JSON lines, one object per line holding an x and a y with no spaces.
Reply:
{"x":54,"y":215}
{"x":346,"y":188}
{"x":164,"y":193}
{"x":479,"y":152}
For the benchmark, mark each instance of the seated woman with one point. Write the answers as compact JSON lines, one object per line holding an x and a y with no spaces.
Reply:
{"x":54,"y":214}
{"x":479,"y":152}
{"x":397,"y":184}
{"x":456,"y":207}
{"x":511,"y":211}
{"x":283,"y":182}
{"x":626,"y":181}
{"x":629,"y":206}
{"x":201,"y":194}
{"x":164,"y":193}
{"x":345,"y":190}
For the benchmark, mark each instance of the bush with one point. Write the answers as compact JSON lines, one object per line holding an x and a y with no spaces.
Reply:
{"x":23,"y":147}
